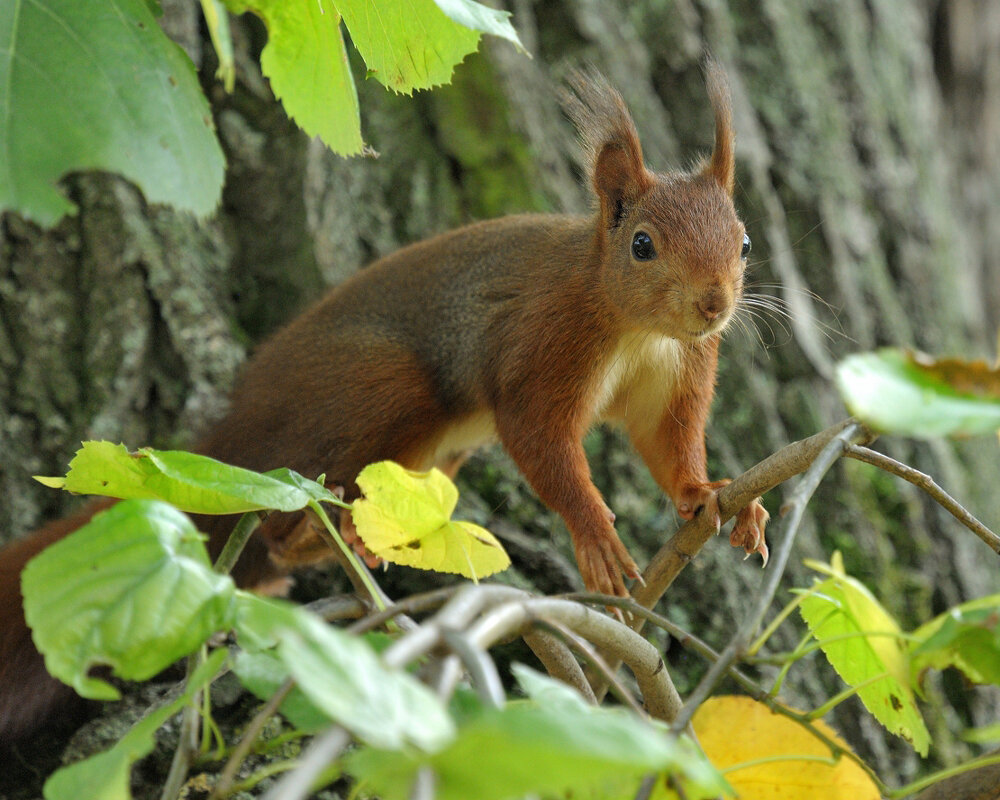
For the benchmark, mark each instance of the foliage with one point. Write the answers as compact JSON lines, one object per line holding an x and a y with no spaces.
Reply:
{"x":98,"y":85}
{"x":864,"y":644}
{"x":405,"y":518}
{"x":775,"y":754}
{"x":899,"y":391}
{"x":149,"y":573}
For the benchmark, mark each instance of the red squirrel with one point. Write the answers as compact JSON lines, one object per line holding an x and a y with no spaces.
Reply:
{"x":525,"y":330}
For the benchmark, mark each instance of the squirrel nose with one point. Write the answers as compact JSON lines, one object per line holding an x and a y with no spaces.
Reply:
{"x":711,"y":306}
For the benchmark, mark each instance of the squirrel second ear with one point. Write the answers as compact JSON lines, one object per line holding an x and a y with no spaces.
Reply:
{"x":619,"y":177}
{"x":721,"y":166}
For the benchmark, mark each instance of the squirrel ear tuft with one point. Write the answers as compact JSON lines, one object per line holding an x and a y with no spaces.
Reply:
{"x":610,"y":142}
{"x":721,"y":167}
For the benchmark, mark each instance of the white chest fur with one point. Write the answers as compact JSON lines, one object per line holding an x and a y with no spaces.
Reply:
{"x":639,"y":379}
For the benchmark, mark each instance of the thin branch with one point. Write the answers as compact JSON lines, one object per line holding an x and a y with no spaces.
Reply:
{"x":684,"y":545}
{"x":514,"y":617}
{"x":297,"y":784}
{"x":415,"y":604}
{"x":480,"y":666}
{"x":187,"y":738}
{"x":591,"y":655}
{"x":559,"y":662}
{"x":250,"y":735}
{"x":750,"y":686}
{"x":795,"y":509}
{"x":928,"y":485}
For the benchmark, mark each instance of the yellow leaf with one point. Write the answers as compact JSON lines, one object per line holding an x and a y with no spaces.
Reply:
{"x":405,"y":518}
{"x":738,"y":730}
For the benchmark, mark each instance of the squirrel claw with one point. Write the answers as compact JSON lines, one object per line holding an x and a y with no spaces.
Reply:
{"x":748,"y":531}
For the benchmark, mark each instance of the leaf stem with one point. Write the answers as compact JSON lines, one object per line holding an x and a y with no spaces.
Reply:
{"x":766,"y":634}
{"x":363,"y":575}
{"x":237,"y":540}
{"x":934,"y":777}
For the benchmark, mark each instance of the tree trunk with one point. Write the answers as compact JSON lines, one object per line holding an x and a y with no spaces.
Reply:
{"x":868,"y":173}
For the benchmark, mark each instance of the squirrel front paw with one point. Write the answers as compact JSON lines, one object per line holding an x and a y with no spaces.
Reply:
{"x":695,"y":497}
{"x":748,"y":531}
{"x":604,"y":562}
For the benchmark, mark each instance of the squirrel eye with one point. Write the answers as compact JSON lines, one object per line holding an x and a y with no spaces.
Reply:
{"x":642,"y":246}
{"x":746,"y":246}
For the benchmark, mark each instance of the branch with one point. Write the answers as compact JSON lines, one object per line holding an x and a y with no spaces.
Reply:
{"x":795,"y":509}
{"x":619,"y":642}
{"x":684,"y":545}
{"x":927,"y":483}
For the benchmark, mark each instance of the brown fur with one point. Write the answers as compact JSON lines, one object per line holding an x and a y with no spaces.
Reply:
{"x":527,"y":329}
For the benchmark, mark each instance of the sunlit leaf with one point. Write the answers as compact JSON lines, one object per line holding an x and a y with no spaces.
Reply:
{"x":405,"y":518}
{"x":192,"y":482}
{"x":738,"y":730}
{"x":106,"y":776}
{"x":306,"y":63}
{"x":97,"y":85}
{"x":132,"y":589}
{"x":966,"y":637}
{"x":407,"y":44}
{"x":898,"y":391}
{"x":481,"y":18}
{"x":838,"y":611}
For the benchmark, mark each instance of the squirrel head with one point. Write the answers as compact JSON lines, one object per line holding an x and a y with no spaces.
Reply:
{"x":671,"y":246}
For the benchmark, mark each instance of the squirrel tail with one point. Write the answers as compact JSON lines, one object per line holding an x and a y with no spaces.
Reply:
{"x":29,"y":696}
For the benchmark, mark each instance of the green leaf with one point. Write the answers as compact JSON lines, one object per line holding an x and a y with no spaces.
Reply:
{"x":260,"y":620}
{"x":405,"y":518}
{"x":481,"y":18}
{"x":132,"y":589}
{"x":194,"y":483}
{"x":407,"y":44}
{"x":570,"y":749}
{"x":344,"y":678}
{"x":105,"y":776}
{"x":306,"y":63}
{"x":898,"y":391}
{"x":966,"y":637}
{"x":263,"y":674}
{"x":97,"y":85}
{"x":841,"y":606}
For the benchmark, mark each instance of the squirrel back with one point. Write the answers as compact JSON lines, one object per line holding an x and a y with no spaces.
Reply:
{"x":525,"y":330}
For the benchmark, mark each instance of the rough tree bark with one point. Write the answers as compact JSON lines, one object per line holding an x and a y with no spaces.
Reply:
{"x":868,"y":174}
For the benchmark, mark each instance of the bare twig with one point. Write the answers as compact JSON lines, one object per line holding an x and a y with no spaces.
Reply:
{"x":795,"y":509}
{"x":297,"y":784}
{"x":588,"y":653}
{"x":514,"y":617}
{"x":415,"y":604}
{"x":684,"y":545}
{"x":750,"y":686}
{"x":559,"y":662}
{"x":927,"y":483}
{"x":269,"y":709}
{"x":480,"y":666}
{"x":187,"y":740}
